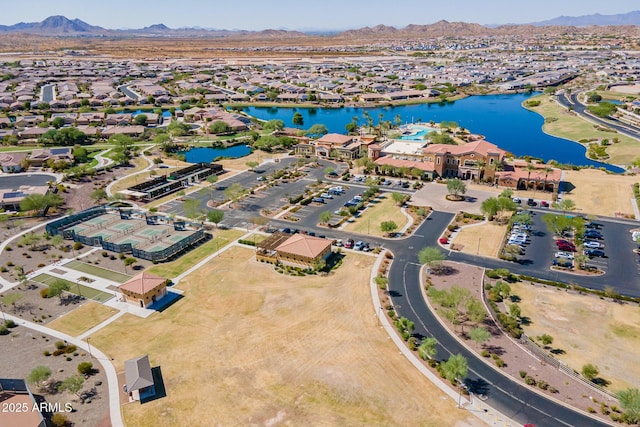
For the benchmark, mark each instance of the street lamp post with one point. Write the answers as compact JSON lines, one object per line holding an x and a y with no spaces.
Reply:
{"x":89,"y":345}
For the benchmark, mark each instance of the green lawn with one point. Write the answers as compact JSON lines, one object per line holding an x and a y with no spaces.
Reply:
{"x":384,"y":209}
{"x":97,"y":271}
{"x":573,"y":127}
{"x":75,"y":288}
{"x":174,"y":268}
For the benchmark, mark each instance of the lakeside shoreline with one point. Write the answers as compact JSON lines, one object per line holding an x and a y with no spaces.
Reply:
{"x":564,"y":136}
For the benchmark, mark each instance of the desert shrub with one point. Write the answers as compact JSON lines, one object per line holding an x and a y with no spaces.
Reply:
{"x":591,"y":410}
{"x":485,"y":353}
{"x":44,"y":293}
{"x":523,"y":374}
{"x":60,"y":345}
{"x":77,"y":246}
{"x":46,"y":353}
{"x":499,"y":362}
{"x":552,"y":389}
{"x":40,"y":265}
{"x":60,"y":420}
{"x":4,"y":330}
{"x":85,"y":368}
{"x":543,"y":385}
{"x":10,"y":323}
{"x":529,"y":380}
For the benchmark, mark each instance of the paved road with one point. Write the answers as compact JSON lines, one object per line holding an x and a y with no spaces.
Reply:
{"x":129,"y":93}
{"x":15,"y":180}
{"x":579,"y":108}
{"x":507,"y":396}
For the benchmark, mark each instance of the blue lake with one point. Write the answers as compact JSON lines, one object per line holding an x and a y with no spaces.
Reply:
{"x":165,"y":113}
{"x":207,"y":154}
{"x":500,"y":118}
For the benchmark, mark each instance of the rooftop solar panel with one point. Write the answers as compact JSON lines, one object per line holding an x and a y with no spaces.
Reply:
{"x":13,"y":195}
{"x":56,"y":151}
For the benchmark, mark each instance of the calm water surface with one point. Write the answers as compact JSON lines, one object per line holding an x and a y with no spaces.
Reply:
{"x":501,"y":118}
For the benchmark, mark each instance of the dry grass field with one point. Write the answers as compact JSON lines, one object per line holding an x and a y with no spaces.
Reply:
{"x":483,"y":239}
{"x":599,"y":193}
{"x":248,"y":346}
{"x":385,"y":209}
{"x":82,"y":318}
{"x":575,"y":128}
{"x":588,"y":329}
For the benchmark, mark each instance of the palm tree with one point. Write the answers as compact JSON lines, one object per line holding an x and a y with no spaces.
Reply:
{"x":481,"y":164}
{"x":547,"y":170}
{"x":530,"y":168}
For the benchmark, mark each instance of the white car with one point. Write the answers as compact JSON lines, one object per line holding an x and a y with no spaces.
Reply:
{"x":563,"y":254}
{"x":592,"y":244}
{"x":326,"y":196}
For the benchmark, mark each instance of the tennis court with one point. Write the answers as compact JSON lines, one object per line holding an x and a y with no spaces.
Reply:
{"x":97,"y":271}
{"x":121,"y":226}
{"x":75,"y":288}
{"x":149,"y":232}
{"x":176,"y":238}
{"x":97,"y":221}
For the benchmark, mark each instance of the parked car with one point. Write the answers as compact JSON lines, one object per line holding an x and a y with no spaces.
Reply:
{"x":326,"y":196}
{"x":285,"y":230}
{"x":359,"y":245}
{"x":563,"y":262}
{"x":559,"y":242}
{"x":593,"y":234}
{"x":567,"y":248}
{"x":561,"y":254}
{"x":595,"y":253}
{"x":593,"y":225}
{"x":317,"y":200}
{"x":544,"y":204}
{"x":532,"y":202}
{"x":260,"y":178}
{"x":516,"y":200}
{"x":591,"y":244}
{"x":339,"y":243}
{"x":349,"y":244}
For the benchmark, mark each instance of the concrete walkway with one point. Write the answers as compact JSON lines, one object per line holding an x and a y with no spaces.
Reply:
{"x":149,"y":166}
{"x":109,"y":370}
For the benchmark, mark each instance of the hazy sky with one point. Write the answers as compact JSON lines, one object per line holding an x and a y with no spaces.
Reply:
{"x":302,"y":14}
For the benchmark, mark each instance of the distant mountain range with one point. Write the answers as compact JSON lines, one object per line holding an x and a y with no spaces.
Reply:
{"x":62,"y":26}
{"x":631,"y":18}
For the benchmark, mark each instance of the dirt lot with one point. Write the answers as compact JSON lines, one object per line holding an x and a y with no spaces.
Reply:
{"x":255,"y":347}
{"x":482,"y":239}
{"x":581,"y":325}
{"x":23,"y":350}
{"x":599,"y":193}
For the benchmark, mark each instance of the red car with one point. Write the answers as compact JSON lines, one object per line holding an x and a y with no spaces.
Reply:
{"x":562,"y":242}
{"x":544,"y":204}
{"x":567,"y":248}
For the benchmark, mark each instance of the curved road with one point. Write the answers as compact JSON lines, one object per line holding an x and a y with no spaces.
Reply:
{"x":505,"y":395}
{"x":581,"y":110}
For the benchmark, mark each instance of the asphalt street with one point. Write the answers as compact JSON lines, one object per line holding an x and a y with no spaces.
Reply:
{"x":13,"y":181}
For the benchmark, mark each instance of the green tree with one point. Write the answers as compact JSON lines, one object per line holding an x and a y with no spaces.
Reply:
{"x":80,"y":154}
{"x":440,"y":138}
{"x":219,"y":127}
{"x":329,"y":170}
{"x":557,"y":223}
{"x":455,"y":368}
{"x":215,"y":216}
{"x":140,"y":119}
{"x":479,"y":335}
{"x":590,"y":371}
{"x":298,"y":120}
{"x":128,"y":261}
{"x":405,"y":327}
{"x":85,"y":368}
{"x":41,"y":202}
{"x":427,"y":348}
{"x":399,"y":198}
{"x":212,"y":179}
{"x":388,"y":226}
{"x":177,"y":128}
{"x":565,"y":205}
{"x":31,"y":240}
{"x":630,"y":402}
{"x":73,"y":384}
{"x":39,"y":375}
{"x":57,"y":288}
{"x":273,"y":125}
{"x":317,"y":130}
{"x":431,"y":256}
{"x":325,"y":217}
{"x":456,"y":187}
{"x":234,"y":192}
{"x":252,"y":164}
{"x":545,"y":339}
{"x":98,"y":195}
{"x":57,"y":123}
{"x":192,"y":208}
